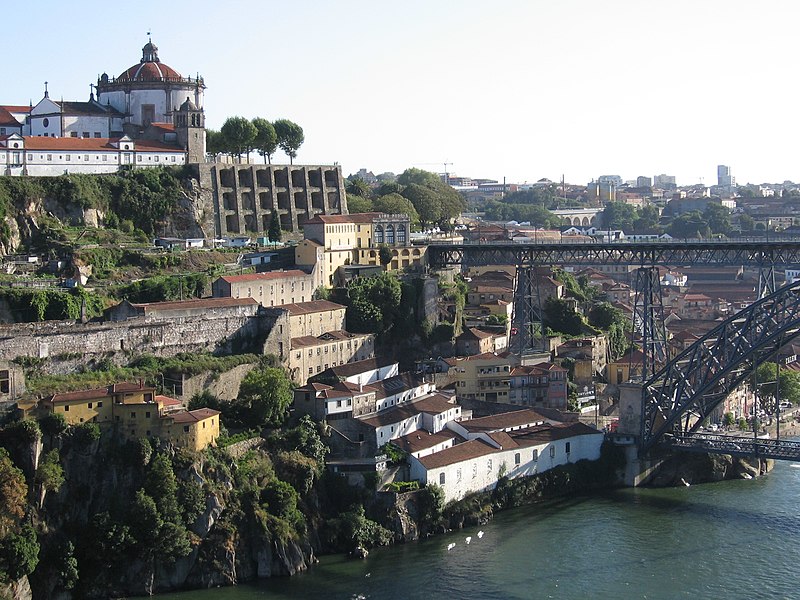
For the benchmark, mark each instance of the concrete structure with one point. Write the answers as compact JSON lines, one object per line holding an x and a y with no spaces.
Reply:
{"x":246,"y":196}
{"x":135,"y":411}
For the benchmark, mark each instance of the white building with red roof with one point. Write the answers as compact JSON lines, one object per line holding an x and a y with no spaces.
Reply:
{"x":147,"y":116}
{"x":514,"y":444}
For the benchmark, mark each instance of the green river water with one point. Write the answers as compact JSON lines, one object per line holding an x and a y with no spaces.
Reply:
{"x":736,"y":539}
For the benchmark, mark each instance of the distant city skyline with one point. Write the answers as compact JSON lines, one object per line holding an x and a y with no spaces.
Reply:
{"x":520,"y":89}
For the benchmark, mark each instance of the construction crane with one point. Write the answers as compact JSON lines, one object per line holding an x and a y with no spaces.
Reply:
{"x":445,"y":164}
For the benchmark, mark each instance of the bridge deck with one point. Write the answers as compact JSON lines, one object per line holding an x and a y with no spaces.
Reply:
{"x":676,"y":253}
{"x":748,"y":447}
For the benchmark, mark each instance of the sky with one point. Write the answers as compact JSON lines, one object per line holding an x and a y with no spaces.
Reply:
{"x":514,"y":89}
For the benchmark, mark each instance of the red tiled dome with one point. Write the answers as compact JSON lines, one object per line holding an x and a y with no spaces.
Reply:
{"x":150,"y":68}
{"x":149,"y":71}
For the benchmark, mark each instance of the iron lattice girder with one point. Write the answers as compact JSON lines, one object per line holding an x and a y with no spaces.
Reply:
{"x":675,"y":253}
{"x":702,"y":376}
{"x":738,"y":446}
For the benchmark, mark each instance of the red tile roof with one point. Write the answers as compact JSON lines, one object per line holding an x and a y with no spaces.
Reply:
{"x":313,"y":306}
{"x":422,"y":440}
{"x":196,"y":303}
{"x":194,"y":416}
{"x":337,"y":219}
{"x":93,"y":144}
{"x":270,"y":276}
{"x":502,"y":421}
{"x":16,"y":108}
{"x":7,"y":119}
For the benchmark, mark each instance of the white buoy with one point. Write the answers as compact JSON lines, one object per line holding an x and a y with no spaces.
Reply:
{"x":480,"y":534}
{"x":469,"y":539}
{"x":450,"y":546}
{"x":368,"y":574}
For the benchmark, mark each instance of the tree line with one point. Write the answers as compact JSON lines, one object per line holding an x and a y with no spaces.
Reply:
{"x":422,"y":195}
{"x":239,"y":136}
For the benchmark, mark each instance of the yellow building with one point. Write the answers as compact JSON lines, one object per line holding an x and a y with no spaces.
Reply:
{"x":333,"y":241}
{"x":135,"y":411}
{"x":483,"y":376}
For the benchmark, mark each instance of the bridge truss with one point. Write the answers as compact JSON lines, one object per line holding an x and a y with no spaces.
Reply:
{"x":758,"y":253}
{"x":677,"y":399}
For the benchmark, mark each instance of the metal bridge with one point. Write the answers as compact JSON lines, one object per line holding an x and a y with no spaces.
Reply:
{"x":745,"y":447}
{"x":755,"y":253}
{"x":677,"y":398}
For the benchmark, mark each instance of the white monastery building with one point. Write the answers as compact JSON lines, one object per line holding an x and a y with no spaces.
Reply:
{"x":148,"y":116}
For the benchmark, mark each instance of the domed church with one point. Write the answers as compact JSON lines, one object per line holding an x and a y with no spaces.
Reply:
{"x":149,"y":92}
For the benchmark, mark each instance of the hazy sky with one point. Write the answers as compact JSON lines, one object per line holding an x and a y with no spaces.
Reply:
{"x":521,"y":89}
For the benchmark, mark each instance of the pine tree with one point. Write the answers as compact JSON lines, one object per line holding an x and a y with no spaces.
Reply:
{"x":274,"y":231}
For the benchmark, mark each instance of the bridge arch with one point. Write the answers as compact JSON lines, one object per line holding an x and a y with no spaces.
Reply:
{"x":683,"y":394}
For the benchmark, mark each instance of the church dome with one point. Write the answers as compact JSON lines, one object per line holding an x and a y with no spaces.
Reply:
{"x":150,"y":68}
{"x":187,"y":105}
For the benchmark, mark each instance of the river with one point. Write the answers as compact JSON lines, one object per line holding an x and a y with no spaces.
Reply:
{"x":734,"y":539}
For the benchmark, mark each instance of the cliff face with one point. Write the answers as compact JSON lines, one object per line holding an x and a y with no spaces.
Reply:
{"x":93,"y":509}
{"x":28,"y":206}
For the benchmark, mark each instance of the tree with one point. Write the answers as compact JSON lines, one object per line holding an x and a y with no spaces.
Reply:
{"x":144,"y":520}
{"x":604,"y":315}
{"x":266,"y":140}
{"x":418,"y":177}
{"x":618,"y":215}
{"x":215,"y":142}
{"x":274,"y":231}
{"x":356,"y":186}
{"x":559,"y":316}
{"x":396,"y":204}
{"x":789,"y":389}
{"x":373,"y":303}
{"x":357,"y":204}
{"x":13,"y":492}
{"x":647,"y":220}
{"x":239,"y":135}
{"x":427,"y":204}
{"x":267,"y":392}
{"x":53,"y":424}
{"x":689,"y":225}
{"x":384,"y":254}
{"x":746,"y":222}
{"x":49,"y":475}
{"x":718,"y":218}
{"x":290,"y":137}
{"x":21,"y":552}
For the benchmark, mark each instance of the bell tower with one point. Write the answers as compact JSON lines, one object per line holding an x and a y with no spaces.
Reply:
{"x":190,"y":128}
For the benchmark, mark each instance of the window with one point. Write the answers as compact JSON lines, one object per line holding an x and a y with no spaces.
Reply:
{"x":458,"y":475}
{"x":97,"y":134}
{"x":147,"y":414}
{"x":186,"y":429}
{"x":535,"y":456}
{"x":133,"y":415}
{"x":516,"y":458}
{"x":73,"y":134}
{"x":310,"y":370}
{"x":441,"y":478}
{"x":552,"y":451}
{"x":568,"y":447}
{"x":49,"y":157}
{"x":5,"y":383}
{"x":46,"y":122}
{"x":85,"y":134}
{"x":66,"y":408}
{"x":99,"y":405}
{"x":489,"y":465}
{"x":89,"y":405}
